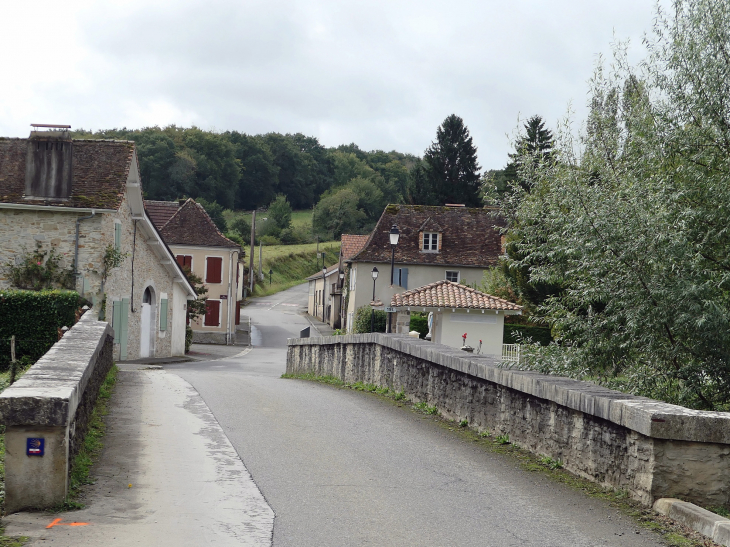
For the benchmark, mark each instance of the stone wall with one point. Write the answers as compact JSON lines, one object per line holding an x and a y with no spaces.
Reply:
{"x":649,"y":448}
{"x":52,"y":401}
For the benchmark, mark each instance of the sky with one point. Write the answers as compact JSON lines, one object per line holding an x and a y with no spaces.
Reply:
{"x":381,"y":74}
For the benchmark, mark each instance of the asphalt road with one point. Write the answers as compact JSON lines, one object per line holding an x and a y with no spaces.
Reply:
{"x":342,"y":468}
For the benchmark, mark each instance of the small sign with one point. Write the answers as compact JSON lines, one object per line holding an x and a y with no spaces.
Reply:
{"x":224,"y":297}
{"x":35,"y":446}
{"x":390,"y":310}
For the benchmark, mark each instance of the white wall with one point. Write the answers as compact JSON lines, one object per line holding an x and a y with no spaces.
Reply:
{"x":177,"y":327}
{"x":487,"y":327}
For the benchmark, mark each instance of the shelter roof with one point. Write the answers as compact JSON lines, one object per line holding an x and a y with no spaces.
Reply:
{"x":447,"y":294}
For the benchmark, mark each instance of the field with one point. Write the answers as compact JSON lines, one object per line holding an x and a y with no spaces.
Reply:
{"x":300,"y":220}
{"x":290,"y":264}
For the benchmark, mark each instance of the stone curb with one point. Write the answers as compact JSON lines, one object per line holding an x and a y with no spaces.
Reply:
{"x":701,"y":520}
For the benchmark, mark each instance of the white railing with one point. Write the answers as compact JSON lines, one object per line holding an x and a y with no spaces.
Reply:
{"x":511,"y":353}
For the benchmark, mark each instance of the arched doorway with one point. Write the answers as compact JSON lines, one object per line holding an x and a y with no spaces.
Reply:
{"x":148,"y":323}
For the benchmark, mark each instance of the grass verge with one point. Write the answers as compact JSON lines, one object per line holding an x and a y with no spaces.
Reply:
{"x":92,"y":445}
{"x":674,"y":534}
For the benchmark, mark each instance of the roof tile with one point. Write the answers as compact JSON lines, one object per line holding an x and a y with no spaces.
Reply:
{"x":191,"y":225}
{"x":352,"y":244}
{"x":447,"y":294}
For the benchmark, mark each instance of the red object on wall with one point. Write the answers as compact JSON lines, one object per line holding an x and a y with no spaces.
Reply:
{"x":185,"y":260}
{"x":213,"y":269}
{"x":212,"y":313}
{"x":238,"y":312}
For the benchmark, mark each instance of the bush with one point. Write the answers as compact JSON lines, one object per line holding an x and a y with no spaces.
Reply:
{"x":419,"y":322}
{"x":515,"y":334}
{"x":34,"y":317}
{"x":269,"y":240}
{"x":363,"y":319}
{"x":241,"y":227}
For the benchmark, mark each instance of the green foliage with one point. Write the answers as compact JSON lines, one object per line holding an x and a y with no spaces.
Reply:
{"x":337,"y":214}
{"x":215,"y":212}
{"x":363,"y":320}
{"x":112,"y":258}
{"x":424,"y":407}
{"x":280,"y":212}
{"x":419,"y":322}
{"x":464,"y":423}
{"x":92,"y":445}
{"x":34,"y":317}
{"x":517,"y":334}
{"x":551,"y":463}
{"x":196,"y":308}
{"x":242,"y":227}
{"x":38,"y":270}
{"x":502,"y":439}
{"x":400,"y":395}
{"x":450,"y":172}
{"x":631,"y":221}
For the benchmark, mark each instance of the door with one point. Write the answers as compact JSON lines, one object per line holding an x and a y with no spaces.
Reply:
{"x":144,"y":339}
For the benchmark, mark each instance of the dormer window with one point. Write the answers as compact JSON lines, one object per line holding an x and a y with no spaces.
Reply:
{"x":430,"y":242}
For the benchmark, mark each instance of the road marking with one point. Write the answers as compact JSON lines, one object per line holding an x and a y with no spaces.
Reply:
{"x":57,"y":522}
{"x":287,"y":304}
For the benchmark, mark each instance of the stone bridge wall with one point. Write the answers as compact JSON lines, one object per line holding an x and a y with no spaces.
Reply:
{"x":53,"y":401}
{"x":649,"y":448}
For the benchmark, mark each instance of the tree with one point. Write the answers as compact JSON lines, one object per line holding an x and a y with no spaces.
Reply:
{"x":242,"y":228}
{"x":280,"y":212}
{"x":259,"y":174}
{"x":337,"y":213}
{"x":450,"y":166}
{"x":631,"y":220}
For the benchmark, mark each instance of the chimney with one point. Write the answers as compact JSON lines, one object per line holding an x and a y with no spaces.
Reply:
{"x":49,"y":162}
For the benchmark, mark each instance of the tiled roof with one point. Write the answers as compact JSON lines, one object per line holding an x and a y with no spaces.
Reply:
{"x":352,"y":244}
{"x":160,"y":211}
{"x":99,"y":176}
{"x":468,"y":236}
{"x":447,"y":294}
{"x":191,"y":225}
{"x":331,"y":269}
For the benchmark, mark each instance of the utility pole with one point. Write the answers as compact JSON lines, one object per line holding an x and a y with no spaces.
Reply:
{"x":251,"y":248}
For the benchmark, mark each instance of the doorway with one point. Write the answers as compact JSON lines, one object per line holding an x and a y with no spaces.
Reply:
{"x":147,"y":323}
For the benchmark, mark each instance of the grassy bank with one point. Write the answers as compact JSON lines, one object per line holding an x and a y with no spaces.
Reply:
{"x":291,"y":264}
{"x":300,"y":220}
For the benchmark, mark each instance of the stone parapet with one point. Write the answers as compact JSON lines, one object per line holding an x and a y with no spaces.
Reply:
{"x":53,"y":401}
{"x":650,"y":448}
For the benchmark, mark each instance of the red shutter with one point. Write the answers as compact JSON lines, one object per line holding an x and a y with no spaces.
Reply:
{"x":212,"y":313}
{"x":180,"y":259}
{"x":238,"y":312}
{"x":214,"y":268}
{"x":185,"y":260}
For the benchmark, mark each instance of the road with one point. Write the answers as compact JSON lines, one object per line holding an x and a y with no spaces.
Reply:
{"x":342,"y":468}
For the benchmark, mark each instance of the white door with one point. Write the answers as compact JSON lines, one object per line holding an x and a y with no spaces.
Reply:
{"x":144,"y":335}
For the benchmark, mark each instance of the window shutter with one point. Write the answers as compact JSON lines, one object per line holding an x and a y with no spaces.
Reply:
{"x":404,"y":278}
{"x":213,"y":270}
{"x":118,"y":236}
{"x":123,"y":324}
{"x":180,"y":260}
{"x":163,"y":314}
{"x":212,"y":312}
{"x":238,"y":312}
{"x":117,"y":319}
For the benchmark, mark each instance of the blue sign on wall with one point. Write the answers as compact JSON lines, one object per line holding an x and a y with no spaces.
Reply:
{"x":35,"y":446}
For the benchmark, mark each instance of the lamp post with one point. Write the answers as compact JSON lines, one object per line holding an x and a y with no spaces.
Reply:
{"x":270,"y":273}
{"x":372,"y":309}
{"x":394,"y":236}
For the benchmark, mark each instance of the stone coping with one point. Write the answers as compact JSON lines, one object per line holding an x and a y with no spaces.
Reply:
{"x":49,"y":392}
{"x":646,"y":416}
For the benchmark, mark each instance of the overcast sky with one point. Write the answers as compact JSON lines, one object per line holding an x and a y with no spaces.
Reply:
{"x":382,"y":74}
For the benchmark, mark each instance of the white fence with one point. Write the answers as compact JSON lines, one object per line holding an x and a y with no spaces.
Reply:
{"x":511,"y":353}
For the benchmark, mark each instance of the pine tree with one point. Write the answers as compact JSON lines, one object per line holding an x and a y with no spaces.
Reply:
{"x":451,"y":168}
{"x":536,"y":144}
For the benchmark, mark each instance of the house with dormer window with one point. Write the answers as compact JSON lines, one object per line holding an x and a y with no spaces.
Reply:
{"x":450,"y":243}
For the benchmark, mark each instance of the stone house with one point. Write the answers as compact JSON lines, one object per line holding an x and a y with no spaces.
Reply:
{"x":452,"y":243}
{"x":83,"y":199}
{"x":198,"y":244}
{"x":456,"y":310}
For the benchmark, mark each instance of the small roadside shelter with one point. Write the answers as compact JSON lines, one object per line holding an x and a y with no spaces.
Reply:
{"x":457,"y":310}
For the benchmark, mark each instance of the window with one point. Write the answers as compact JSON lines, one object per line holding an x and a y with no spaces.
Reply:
{"x":213,"y":269}
{"x":452,"y":276}
{"x":212,"y":313}
{"x":430,"y":241}
{"x":185,"y":261}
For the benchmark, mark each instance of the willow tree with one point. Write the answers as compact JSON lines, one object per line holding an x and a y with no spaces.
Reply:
{"x":631,"y":218}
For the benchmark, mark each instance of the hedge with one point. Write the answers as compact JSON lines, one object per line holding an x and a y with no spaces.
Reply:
{"x":419,"y":322}
{"x":537,"y":334}
{"x":363,"y":319}
{"x":34,"y":317}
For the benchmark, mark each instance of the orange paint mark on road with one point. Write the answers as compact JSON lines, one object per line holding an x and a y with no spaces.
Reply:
{"x":57,"y":522}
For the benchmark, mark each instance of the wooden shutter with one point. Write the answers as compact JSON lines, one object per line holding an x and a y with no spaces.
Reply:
{"x":238,"y":312}
{"x":214,"y":267}
{"x":117,"y":320}
{"x":163,"y":314}
{"x":212,"y":313}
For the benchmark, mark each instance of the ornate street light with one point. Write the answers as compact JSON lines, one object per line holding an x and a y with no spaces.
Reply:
{"x":374,"y":273}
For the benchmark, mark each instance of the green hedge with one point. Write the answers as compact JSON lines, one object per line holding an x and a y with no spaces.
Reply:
{"x":363,"y":319}
{"x":537,"y":334}
{"x":419,"y":322}
{"x":34,"y":318}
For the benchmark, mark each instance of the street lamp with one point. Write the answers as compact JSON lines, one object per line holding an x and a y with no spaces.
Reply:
{"x":394,"y":236}
{"x":270,"y":273}
{"x":372,"y":315}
